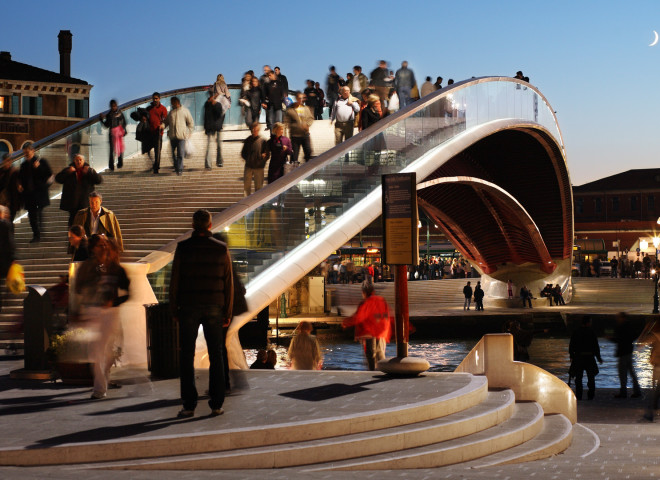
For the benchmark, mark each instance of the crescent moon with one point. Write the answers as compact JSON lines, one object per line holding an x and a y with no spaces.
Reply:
{"x":656,"y":39}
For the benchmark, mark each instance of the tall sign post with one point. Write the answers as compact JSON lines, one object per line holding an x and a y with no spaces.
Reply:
{"x":400,"y":249}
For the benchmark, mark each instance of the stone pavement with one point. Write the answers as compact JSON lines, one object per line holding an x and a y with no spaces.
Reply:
{"x":37,"y":414}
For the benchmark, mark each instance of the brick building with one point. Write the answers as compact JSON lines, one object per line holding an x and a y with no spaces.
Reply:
{"x":35,"y":102}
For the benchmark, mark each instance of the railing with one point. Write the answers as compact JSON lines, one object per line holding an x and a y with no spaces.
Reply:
{"x":493,"y":357}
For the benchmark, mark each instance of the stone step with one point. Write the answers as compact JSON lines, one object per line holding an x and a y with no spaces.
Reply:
{"x":525,"y":423}
{"x":498,"y":407}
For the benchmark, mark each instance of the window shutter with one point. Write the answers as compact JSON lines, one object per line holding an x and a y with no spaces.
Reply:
{"x":39,"y":106}
{"x":14,"y":105}
{"x":85,"y":108}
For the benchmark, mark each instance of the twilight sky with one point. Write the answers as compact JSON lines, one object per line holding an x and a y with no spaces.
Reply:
{"x":590,"y":59}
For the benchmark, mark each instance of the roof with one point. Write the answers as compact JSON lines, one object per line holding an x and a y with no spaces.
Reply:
{"x":639,"y":179}
{"x":12,"y":70}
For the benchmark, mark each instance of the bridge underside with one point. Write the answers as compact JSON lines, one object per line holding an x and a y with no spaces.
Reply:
{"x":505,"y":203}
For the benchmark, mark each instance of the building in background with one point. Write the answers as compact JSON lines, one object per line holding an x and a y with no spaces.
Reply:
{"x":35,"y":102}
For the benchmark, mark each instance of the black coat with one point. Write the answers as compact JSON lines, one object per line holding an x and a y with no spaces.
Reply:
{"x":113,"y":120}
{"x":201,"y":274}
{"x":213,"y":117}
{"x":75,"y":194}
{"x":35,"y":182}
{"x":7,"y":247}
{"x":10,"y":197}
{"x":369,"y":117}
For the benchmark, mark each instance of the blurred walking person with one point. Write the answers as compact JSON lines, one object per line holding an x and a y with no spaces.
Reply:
{"x":78,"y":181}
{"x":255,"y":154}
{"x":651,"y":336}
{"x":7,"y":246}
{"x":115,"y":122}
{"x":304,"y":351}
{"x":332,"y":86}
{"x":157,"y":115}
{"x":273,"y":97}
{"x":624,"y":336}
{"x":10,"y":187}
{"x":252,"y":99}
{"x":404,"y":81}
{"x":343,"y":114}
{"x":201,"y":293}
{"x":379,"y":79}
{"x":280,"y":150}
{"x":372,"y":322}
{"x":99,"y":281}
{"x":180,"y":125}
{"x":584,"y":350}
{"x":213,"y":121}
{"x":298,"y":119}
{"x":35,"y":177}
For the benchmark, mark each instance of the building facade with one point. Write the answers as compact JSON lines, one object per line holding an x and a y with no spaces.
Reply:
{"x":35,"y":103}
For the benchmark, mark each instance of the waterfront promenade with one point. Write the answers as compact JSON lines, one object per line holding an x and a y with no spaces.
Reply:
{"x":610,"y":440}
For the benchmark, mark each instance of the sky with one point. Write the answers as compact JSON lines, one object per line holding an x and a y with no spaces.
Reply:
{"x":591,"y":59}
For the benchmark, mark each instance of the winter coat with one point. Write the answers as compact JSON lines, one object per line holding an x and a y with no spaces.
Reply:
{"x":35,"y":182}
{"x":75,"y":192}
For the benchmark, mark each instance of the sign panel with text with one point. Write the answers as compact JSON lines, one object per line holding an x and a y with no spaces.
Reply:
{"x":400,"y":242}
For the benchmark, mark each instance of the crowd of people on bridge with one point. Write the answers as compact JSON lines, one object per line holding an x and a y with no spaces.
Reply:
{"x":639,"y":266}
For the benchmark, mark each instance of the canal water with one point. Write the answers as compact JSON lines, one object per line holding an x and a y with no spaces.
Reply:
{"x":444,"y":355}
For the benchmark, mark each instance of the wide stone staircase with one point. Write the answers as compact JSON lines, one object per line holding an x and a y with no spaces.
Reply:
{"x":152,"y":210}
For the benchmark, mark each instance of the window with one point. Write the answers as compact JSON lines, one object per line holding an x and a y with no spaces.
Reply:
{"x":32,"y":105}
{"x":650,"y":202}
{"x":579,"y":206}
{"x":79,"y":108}
{"x":598,"y":205}
{"x":615,"y":204}
{"x":9,"y":104}
{"x":633,"y":203}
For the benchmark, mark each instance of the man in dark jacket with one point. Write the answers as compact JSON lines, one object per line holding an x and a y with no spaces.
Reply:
{"x":10,"y":187}
{"x":273,"y":93}
{"x":379,"y":79}
{"x":404,"y":81}
{"x":34,"y":177}
{"x":479,"y":297}
{"x":624,"y":336}
{"x":467,"y":293}
{"x":201,"y":293}
{"x":78,"y":181}
{"x":582,"y":349}
{"x":255,"y":153}
{"x":213,"y":120}
{"x":7,"y":247}
{"x":157,"y":115}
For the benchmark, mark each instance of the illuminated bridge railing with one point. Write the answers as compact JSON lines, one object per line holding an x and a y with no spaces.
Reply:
{"x":283,"y":217}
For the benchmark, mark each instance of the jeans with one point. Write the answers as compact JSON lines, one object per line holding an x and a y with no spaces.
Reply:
{"x":625,"y":366}
{"x":216,"y":138}
{"x":178,"y":152}
{"x":404,"y":96}
{"x":467,"y":302}
{"x":591,"y":384}
{"x":273,"y":116}
{"x":210,"y":317}
{"x":305,"y":142}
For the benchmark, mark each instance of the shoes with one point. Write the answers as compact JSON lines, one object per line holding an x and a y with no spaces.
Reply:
{"x":155,"y":172}
{"x":636,"y":395}
{"x":620,"y":395}
{"x":183,"y":413}
{"x":219,"y":164}
{"x":114,"y":385}
{"x":97,"y":396}
{"x":178,"y":173}
{"x":216,"y":412}
{"x":35,"y":239}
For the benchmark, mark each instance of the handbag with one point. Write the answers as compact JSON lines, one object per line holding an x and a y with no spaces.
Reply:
{"x":16,"y":279}
{"x":245,"y":102}
{"x":224,"y":103}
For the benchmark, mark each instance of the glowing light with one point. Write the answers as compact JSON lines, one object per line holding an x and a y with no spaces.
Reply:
{"x":656,"y":242}
{"x":419,"y":224}
{"x":227,"y":228}
{"x":643,"y":244}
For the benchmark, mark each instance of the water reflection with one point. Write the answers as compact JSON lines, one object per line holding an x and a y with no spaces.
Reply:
{"x":551,"y":354}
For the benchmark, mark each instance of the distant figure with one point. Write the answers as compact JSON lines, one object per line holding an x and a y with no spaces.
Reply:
{"x":298,"y":119}
{"x":97,"y":219}
{"x":380,"y":81}
{"x":252,"y":98}
{"x":467,"y":293}
{"x":371,"y":114}
{"x":10,"y":187}
{"x":180,"y":126}
{"x":404,"y":82}
{"x":78,"y":181}
{"x":479,"y":297}
{"x":255,"y":154}
{"x":34,"y":177}
{"x":304,"y":350}
{"x":201,"y":294}
{"x":651,"y":336}
{"x":213,"y":121}
{"x":220,"y":88}
{"x":282,"y":79}
{"x":615,"y":264}
{"x":584,"y":351}
{"x":273,"y":96}
{"x":357,"y":82}
{"x":343,"y":114}
{"x":260,"y":362}
{"x":526,"y":296}
{"x":427,"y":87}
{"x":272,"y":359}
{"x":509,"y":289}
{"x":624,"y":336}
{"x":78,"y":244}
{"x":332,"y":87}
{"x":372,"y":322}
{"x":115,"y":122}
{"x":157,"y":115}
{"x":558,"y":296}
{"x":522,"y":339}
{"x":318,"y":111}
{"x":280,"y":150}
{"x":438,"y":83}
{"x":7,"y":246}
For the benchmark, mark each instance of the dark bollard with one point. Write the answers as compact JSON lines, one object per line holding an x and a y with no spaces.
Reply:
{"x":37,"y":321}
{"x":162,"y":341}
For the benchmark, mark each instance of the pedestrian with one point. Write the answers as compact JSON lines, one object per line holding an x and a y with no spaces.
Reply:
{"x":99,"y":281}
{"x":78,"y":244}
{"x":273,"y":97}
{"x":614,"y":264}
{"x":115,"y":122}
{"x":220,"y":90}
{"x":180,"y":125}
{"x":298,"y":119}
{"x":318,"y":111}
{"x":332,"y":86}
{"x":372,"y":321}
{"x":404,"y":82}
{"x":280,"y":150}
{"x":526,"y":296}
{"x":96,"y":219}
{"x":157,"y":115}
{"x":509,"y":289}
{"x":427,"y":87}
{"x":438,"y":83}
{"x":201,"y":293}
{"x":379,"y":79}
{"x":7,"y":246}
{"x":651,"y":336}
{"x":343,"y":114}
{"x":311,"y":97}
{"x":357,"y":82}
{"x":467,"y":293}
{"x":252,"y":100}
{"x":282,"y":79}
{"x":479,"y":297}
{"x":214,"y":118}
{"x":78,"y":181}
{"x":10,"y":187}
{"x":255,"y":154}
{"x":35,"y":177}
{"x":624,"y":336}
{"x":370,"y":115}
{"x":304,"y":350}
{"x":584,"y":350}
